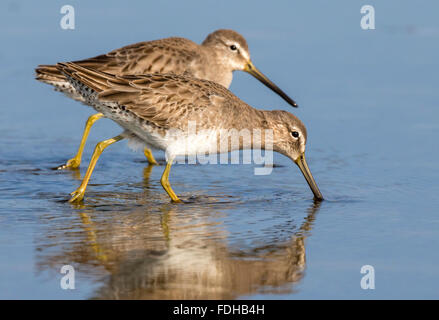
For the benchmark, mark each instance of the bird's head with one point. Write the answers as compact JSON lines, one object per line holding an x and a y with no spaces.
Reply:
{"x":233,"y":53}
{"x":289,"y":139}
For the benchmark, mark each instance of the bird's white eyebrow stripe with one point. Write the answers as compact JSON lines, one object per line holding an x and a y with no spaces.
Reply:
{"x":243,"y":52}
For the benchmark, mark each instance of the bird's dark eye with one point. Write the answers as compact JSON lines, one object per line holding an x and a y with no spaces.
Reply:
{"x":295,"y":134}
{"x":233,"y":47}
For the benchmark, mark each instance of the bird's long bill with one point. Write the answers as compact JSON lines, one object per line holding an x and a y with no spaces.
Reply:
{"x":250,"y":68}
{"x":301,"y":163}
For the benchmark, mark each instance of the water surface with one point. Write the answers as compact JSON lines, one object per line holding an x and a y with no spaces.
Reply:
{"x":368,"y":98}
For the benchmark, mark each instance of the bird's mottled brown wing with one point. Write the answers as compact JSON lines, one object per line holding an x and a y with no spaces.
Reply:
{"x":162,"y":56}
{"x":161,"y":99}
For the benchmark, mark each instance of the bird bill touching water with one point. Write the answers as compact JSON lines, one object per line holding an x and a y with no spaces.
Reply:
{"x":156,"y":109}
{"x":220,"y":54}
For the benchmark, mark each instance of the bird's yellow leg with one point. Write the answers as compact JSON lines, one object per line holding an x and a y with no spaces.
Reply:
{"x":78,"y":194}
{"x":76,"y":160}
{"x":149,"y":156}
{"x":165,"y":182}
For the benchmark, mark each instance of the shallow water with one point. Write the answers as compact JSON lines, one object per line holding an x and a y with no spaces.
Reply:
{"x":368,"y":98}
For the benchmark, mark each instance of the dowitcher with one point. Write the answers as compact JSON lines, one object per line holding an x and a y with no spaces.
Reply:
{"x":221,"y":53}
{"x":157,"y":109}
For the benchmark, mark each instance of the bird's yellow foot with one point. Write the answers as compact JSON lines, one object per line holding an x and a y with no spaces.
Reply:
{"x":77,"y":195}
{"x":71,"y":164}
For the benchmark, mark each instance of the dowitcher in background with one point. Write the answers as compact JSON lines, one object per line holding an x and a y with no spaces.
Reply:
{"x":157,"y":109}
{"x":221,"y":53}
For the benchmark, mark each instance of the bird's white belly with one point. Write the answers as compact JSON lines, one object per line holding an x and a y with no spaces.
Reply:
{"x":191,"y":144}
{"x":174,"y":142}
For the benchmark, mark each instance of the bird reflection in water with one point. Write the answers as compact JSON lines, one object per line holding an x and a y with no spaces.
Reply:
{"x":179,"y":252}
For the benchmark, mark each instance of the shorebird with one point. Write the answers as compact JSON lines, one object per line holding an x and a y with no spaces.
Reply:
{"x":157,"y":109}
{"x":221,"y":53}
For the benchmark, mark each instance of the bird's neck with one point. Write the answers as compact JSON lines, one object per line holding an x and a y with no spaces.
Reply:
{"x":252,"y":128}
{"x":216,"y":67}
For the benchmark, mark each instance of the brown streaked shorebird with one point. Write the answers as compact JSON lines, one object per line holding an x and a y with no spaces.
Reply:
{"x":157,"y":109}
{"x":221,"y":53}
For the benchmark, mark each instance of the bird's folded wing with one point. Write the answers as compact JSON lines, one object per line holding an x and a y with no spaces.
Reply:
{"x":161,"y":56}
{"x":166,"y":100}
